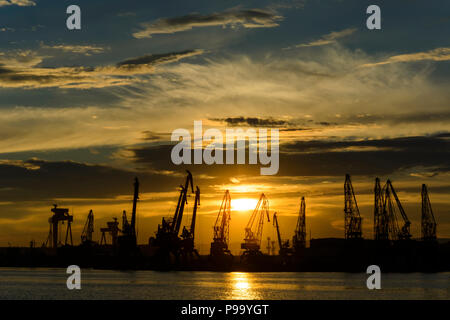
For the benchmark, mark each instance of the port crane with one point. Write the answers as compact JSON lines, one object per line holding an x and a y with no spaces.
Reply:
{"x":112,"y":227}
{"x":352,"y":216}
{"x":221,"y":229}
{"x":428,"y":221}
{"x":397,"y":233}
{"x":167,"y":239}
{"x":283,"y":245}
{"x":59,"y":215}
{"x":299,"y":239}
{"x":380,"y":216}
{"x":88,"y":230}
{"x":253,"y":231}
{"x":128,"y":238}
{"x":187,"y":236}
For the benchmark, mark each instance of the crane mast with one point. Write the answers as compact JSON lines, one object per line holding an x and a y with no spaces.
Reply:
{"x":299,"y":239}
{"x":352,"y":216}
{"x":381,"y":219}
{"x":188,"y":235}
{"x":182,"y":200}
{"x":428,"y":221}
{"x":88,"y":230}
{"x":219,"y":246}
{"x":252,"y":240}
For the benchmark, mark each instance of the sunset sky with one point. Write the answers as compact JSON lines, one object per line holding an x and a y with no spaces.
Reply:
{"x":85,"y":111}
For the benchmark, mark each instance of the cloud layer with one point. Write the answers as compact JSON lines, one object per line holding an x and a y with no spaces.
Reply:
{"x":254,"y":18}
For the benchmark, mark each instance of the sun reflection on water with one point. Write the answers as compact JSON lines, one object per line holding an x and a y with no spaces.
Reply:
{"x":242,"y":286}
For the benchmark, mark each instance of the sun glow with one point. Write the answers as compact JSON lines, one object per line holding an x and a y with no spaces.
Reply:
{"x":243,"y":204}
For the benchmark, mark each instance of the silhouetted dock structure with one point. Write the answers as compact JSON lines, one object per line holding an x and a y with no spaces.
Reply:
{"x":173,"y":247}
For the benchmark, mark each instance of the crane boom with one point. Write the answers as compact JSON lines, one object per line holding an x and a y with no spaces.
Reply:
{"x":404,"y":233}
{"x":252,"y":240}
{"x":88,"y":230}
{"x":428,"y":221}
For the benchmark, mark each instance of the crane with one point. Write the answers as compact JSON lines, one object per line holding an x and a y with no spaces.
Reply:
{"x":59,"y":215}
{"x":284,"y":246}
{"x":167,"y":239}
{"x":299,"y":239}
{"x":112,"y":227}
{"x":253,"y":232}
{"x":428,"y":221}
{"x":188,"y":235}
{"x":128,"y":238}
{"x":221,"y":236}
{"x":352,"y":216}
{"x":381,"y":219}
{"x":390,"y":212}
{"x":88,"y":230}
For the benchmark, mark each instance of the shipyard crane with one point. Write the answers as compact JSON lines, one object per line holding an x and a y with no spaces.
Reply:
{"x":112,"y":227}
{"x":128,"y":238}
{"x":221,"y":229}
{"x":428,"y":221}
{"x":381,"y":219}
{"x":167,"y":239}
{"x":397,"y":233}
{"x":299,"y":239}
{"x":352,"y":216}
{"x":59,"y":215}
{"x":284,"y":246}
{"x":188,"y":235}
{"x":88,"y":230}
{"x":253,"y":231}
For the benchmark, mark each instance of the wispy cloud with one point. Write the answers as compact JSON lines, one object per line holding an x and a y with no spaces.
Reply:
{"x":20,"y":3}
{"x":19,"y":71}
{"x":81,"y":49}
{"x":328,"y":38}
{"x":438,"y":54}
{"x":254,"y":18}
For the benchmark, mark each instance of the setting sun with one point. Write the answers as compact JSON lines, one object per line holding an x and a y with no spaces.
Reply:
{"x":243,"y":204}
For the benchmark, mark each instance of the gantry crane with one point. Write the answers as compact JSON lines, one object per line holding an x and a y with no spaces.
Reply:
{"x":113,"y":229}
{"x":253,"y":232}
{"x":380,"y":216}
{"x":187,"y":235}
{"x":88,"y":230}
{"x":221,"y":228}
{"x":299,"y":239}
{"x":59,"y":215}
{"x":395,"y":232}
{"x":352,"y":216}
{"x":428,"y":221}
{"x":283,"y":245}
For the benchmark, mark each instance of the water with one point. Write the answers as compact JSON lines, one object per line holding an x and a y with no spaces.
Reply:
{"x":43,"y":283}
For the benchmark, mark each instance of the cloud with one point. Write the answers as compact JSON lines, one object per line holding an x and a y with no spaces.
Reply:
{"x":253,"y":18}
{"x":328,"y":38}
{"x":438,"y":54}
{"x":20,"y":71}
{"x":252,"y":121}
{"x":20,"y":3}
{"x":36,"y":179}
{"x":82,"y":49}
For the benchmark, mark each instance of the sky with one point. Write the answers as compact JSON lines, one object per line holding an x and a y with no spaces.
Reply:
{"x":85,"y":111}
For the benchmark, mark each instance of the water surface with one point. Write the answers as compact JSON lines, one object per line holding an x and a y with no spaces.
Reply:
{"x":50,"y":283}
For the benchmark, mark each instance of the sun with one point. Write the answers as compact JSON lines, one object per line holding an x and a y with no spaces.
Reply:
{"x":243,"y":204}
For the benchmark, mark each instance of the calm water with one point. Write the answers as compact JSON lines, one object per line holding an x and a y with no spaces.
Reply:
{"x":22,"y":283}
